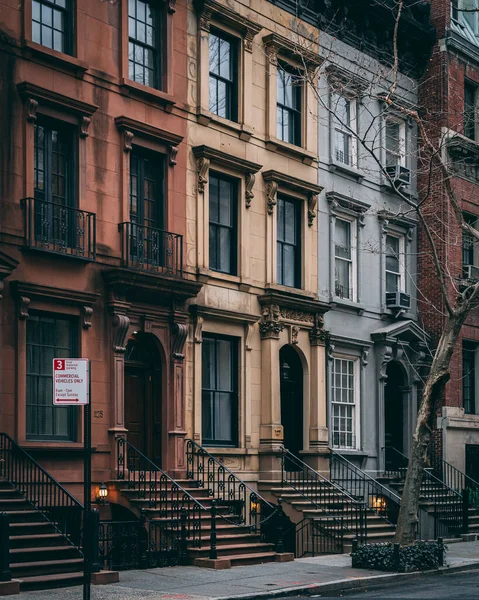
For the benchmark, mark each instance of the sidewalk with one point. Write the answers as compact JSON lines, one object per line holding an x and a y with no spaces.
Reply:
{"x":192,"y":583}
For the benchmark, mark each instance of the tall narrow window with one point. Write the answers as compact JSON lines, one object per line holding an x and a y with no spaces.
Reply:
{"x":288,"y":242}
{"x":48,"y":337}
{"x":52,"y":24}
{"x":470,"y":93}
{"x":148,"y":241}
{"x":469,"y":14}
{"x":343,"y":259}
{"x":223,"y":85}
{"x":469,"y":377}
{"x":344,"y":122}
{"x":144,"y":61}
{"x":469,"y":246}
{"x":343,"y":404}
{"x":288,"y":111}
{"x":223,"y":224}
{"x":394,"y":267}
{"x":220,"y":391}
{"x":395,"y":143}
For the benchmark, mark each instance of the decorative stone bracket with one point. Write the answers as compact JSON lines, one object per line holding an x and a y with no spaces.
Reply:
{"x":121,"y":323}
{"x":318,"y":335}
{"x":180,"y":331}
{"x":270,"y":326}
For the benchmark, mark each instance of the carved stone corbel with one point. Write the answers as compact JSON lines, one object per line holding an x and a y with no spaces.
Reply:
{"x":271,"y":195}
{"x":180,"y":331}
{"x":203,"y":166}
{"x":127,"y":140}
{"x":121,"y":324}
{"x":312,"y":204}
{"x":87,"y":312}
{"x":249,"y":183}
{"x":23,"y":305}
{"x":205,"y":19}
{"x":270,"y":326}
{"x":272,"y":54}
{"x":364,"y":357}
{"x":248,"y":40}
{"x":84,"y":125}
{"x":294,"y":334}
{"x":318,"y":335}
{"x":385,"y":358}
{"x":171,"y":6}
{"x":198,"y":333}
{"x":31,"y":106}
{"x":249,"y":335}
{"x":172,"y":153}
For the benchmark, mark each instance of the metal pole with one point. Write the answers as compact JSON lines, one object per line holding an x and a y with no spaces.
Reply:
{"x":5,"y":572}
{"x":87,"y":490}
{"x":213,"y":550}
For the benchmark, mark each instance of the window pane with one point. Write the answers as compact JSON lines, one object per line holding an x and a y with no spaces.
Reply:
{"x":342,"y":270}
{"x":143,"y":60}
{"x":214,"y":47}
{"x":225,"y":59}
{"x":289,"y":271}
{"x":225,"y":250}
{"x":342,"y":238}
{"x":343,"y":409}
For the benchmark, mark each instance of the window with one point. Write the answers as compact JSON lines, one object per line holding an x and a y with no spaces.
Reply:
{"x":344,"y":403}
{"x":223,"y":224}
{"x":288,"y":244}
{"x":469,"y":377}
{"x":468,"y":13}
{"x":220,"y":391}
{"x":48,"y":337}
{"x":469,"y":246}
{"x":223,"y":88}
{"x":395,"y":143}
{"x":51,"y":24}
{"x":288,"y":110}
{"x":469,"y":110}
{"x":394,"y":263}
{"x":344,"y":121}
{"x":343,"y":259}
{"x":144,"y":43}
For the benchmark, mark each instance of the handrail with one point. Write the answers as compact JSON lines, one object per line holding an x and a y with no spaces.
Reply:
{"x":42,"y":490}
{"x":454,"y":478}
{"x":361,"y":485}
{"x":353,"y":519}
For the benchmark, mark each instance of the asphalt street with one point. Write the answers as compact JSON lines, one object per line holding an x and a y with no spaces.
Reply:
{"x":454,"y":586}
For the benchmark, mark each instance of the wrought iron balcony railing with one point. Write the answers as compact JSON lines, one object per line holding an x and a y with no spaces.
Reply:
{"x":60,"y":229}
{"x":152,"y":250}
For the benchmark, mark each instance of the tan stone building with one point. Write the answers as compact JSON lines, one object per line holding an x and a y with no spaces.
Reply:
{"x":256,"y":350}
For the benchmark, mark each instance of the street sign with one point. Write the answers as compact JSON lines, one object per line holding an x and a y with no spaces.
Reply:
{"x":70,"y":381}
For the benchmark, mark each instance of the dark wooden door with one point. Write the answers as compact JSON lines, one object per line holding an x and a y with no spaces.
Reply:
{"x":472,"y":461}
{"x":291,"y":373}
{"x":394,"y":409}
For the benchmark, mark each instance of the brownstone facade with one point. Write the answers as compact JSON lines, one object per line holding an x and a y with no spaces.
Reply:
{"x":93,"y":213}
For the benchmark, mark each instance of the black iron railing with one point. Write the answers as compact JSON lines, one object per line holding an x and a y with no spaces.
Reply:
{"x":336,"y":505}
{"x":39,"y":488}
{"x":376,"y":497}
{"x":448,"y":506}
{"x":454,"y":478}
{"x":60,"y":229}
{"x":162,"y":493}
{"x":141,"y":544}
{"x":318,"y":536}
{"x":248,"y":507}
{"x":152,"y":250}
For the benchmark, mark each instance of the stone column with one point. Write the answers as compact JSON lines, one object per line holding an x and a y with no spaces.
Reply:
{"x":271,"y":430}
{"x":176,"y":426}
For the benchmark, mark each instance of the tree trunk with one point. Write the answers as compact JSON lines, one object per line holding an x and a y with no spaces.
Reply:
{"x":435,"y":382}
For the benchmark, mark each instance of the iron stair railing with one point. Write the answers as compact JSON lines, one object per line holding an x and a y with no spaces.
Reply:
{"x":249,"y":507}
{"x":454,"y":478}
{"x":45,"y":493}
{"x":326,"y":496}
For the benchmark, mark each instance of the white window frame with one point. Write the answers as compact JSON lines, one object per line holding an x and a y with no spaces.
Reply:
{"x":345,"y":129}
{"x":356,"y":408}
{"x":402,"y":261}
{"x":401,"y":155}
{"x":353,"y":243}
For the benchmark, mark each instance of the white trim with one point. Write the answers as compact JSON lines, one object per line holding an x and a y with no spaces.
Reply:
{"x":401,"y":156}
{"x":353,"y":244}
{"x":356,"y":408}
{"x":401,"y":258}
{"x":346,"y":129}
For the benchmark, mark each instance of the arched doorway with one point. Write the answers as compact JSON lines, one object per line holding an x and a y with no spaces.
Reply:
{"x":291,"y":373}
{"x":394,"y":409}
{"x":143,"y":405}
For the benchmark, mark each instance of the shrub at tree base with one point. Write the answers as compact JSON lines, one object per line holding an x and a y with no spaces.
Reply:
{"x":420,"y":556}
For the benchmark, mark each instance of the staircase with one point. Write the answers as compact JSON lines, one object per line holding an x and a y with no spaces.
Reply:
{"x":45,"y":522}
{"x":335,"y":512}
{"x":209,"y":516}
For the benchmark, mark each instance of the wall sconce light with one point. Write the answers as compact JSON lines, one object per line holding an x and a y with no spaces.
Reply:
{"x":379,"y":503}
{"x":102,"y":493}
{"x":254,"y":507}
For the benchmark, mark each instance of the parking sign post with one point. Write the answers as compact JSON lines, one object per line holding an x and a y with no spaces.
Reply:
{"x":72,"y":387}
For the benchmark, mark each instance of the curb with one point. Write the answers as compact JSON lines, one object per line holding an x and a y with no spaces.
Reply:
{"x":348,"y":584}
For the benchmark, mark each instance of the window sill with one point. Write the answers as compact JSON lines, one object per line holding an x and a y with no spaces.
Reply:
{"x":204,"y":275}
{"x":347,"y":304}
{"x":131,"y":88}
{"x":291,"y":290}
{"x":302,"y":154}
{"x":353,"y":172}
{"x":32,"y":50}
{"x":350,"y":452}
{"x":206,"y":117}
{"x":51,"y":446}
{"x":73,"y":257}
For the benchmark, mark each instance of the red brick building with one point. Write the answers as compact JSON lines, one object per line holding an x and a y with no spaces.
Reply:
{"x":92,"y":219}
{"x":449,"y":98}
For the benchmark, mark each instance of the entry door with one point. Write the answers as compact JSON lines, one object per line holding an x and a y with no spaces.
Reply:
{"x":291,"y":400}
{"x":143,"y":410}
{"x":472,"y":461}
{"x":394,"y":408}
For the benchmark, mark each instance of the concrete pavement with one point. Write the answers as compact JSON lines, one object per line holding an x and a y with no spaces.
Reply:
{"x":321,"y":573}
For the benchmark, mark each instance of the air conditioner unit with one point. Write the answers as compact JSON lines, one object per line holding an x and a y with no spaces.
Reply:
{"x":471,"y":272}
{"x":398,"y":300}
{"x":400,"y":175}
